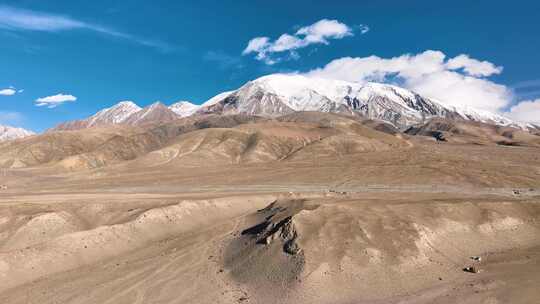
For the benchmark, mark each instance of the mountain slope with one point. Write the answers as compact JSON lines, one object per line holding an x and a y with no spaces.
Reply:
{"x":102,"y":146}
{"x":300,"y":136}
{"x":9,"y":133}
{"x":52,"y":147}
{"x":123,"y":113}
{"x":474,"y":132}
{"x":184,"y":108}
{"x":219,"y":97}
{"x":154,"y":113}
{"x":116,"y":114}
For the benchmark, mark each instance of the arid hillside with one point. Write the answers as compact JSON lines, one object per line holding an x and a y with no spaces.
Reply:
{"x":308,"y":207}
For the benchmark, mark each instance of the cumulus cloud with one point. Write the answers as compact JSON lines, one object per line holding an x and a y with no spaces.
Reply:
{"x":319,"y":32}
{"x":322,"y":30}
{"x":472,"y":66}
{"x":459,"y":81}
{"x":16,"y":19}
{"x":8,"y":92}
{"x":54,"y":100}
{"x":526,"y":111}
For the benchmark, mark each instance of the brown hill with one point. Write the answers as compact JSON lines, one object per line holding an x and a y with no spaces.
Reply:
{"x":220,"y":139}
{"x":50,"y":148}
{"x":302,"y":135}
{"x":474,"y":132}
{"x":101,"y":146}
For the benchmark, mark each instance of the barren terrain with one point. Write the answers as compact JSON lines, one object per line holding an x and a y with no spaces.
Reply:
{"x":304,"y":209}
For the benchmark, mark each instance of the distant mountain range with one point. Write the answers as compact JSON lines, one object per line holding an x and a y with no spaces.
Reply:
{"x":281,"y":94}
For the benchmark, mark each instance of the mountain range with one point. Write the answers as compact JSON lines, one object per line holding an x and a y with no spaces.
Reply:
{"x":280,"y":94}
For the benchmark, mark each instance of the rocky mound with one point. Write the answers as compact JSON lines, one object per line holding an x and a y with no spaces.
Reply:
{"x":294,"y":247}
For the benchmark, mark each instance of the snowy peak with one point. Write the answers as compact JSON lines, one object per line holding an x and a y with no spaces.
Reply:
{"x":9,"y":133}
{"x":487,"y":117}
{"x":280,"y":94}
{"x":115,"y":114}
{"x":184,"y":108}
{"x":156,"y":112}
{"x":290,"y":85}
{"x":294,"y":88}
{"x":219,"y":97}
{"x":250,"y":99}
{"x":123,"y":113}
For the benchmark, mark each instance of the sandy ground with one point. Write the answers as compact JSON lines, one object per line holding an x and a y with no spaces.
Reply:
{"x":392,"y":227}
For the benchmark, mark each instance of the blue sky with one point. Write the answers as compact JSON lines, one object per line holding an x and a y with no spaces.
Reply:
{"x":102,"y":52}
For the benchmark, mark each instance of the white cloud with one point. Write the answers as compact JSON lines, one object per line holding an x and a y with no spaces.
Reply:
{"x":54,"y":101}
{"x":319,"y":32}
{"x":256,"y":45}
{"x":363,"y":28}
{"x":287,"y":42}
{"x":8,"y":92}
{"x":13,"y":18}
{"x":430,"y":74}
{"x":20,"y":19}
{"x":526,"y":111}
{"x":322,"y":30}
{"x":472,"y":66}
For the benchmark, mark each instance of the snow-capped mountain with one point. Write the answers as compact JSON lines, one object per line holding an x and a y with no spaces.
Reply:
{"x":156,"y":112}
{"x":184,"y":108}
{"x":279,"y":94}
{"x":489,"y":117}
{"x":116,"y":114}
{"x":219,"y":97}
{"x":9,"y":133}
{"x":123,"y":113}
